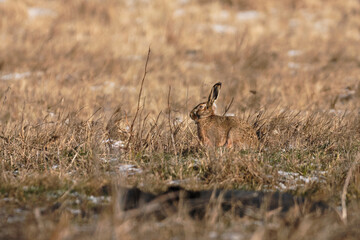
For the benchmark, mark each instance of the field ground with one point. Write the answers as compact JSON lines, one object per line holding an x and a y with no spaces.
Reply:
{"x":73,"y":129}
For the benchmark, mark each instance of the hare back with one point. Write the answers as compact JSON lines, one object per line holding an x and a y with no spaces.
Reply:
{"x":220,"y":131}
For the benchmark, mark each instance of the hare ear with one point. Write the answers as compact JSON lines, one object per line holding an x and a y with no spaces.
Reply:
{"x":213,"y":94}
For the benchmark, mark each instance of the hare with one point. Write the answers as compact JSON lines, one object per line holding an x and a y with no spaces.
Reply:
{"x":217,"y":131}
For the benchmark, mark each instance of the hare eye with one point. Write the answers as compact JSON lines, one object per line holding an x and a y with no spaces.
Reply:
{"x":202,"y":107}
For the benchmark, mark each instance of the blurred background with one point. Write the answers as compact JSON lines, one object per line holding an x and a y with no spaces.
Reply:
{"x":91,"y":53}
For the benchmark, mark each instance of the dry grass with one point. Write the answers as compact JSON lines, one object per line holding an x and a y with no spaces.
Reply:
{"x":70,"y":74}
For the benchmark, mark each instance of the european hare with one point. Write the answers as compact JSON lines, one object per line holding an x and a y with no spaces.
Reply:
{"x":218,"y":131}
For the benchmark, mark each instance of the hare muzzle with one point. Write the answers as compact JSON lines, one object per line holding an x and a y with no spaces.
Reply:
{"x":193,"y":116}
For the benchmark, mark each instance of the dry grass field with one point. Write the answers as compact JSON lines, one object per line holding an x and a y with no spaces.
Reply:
{"x":76,"y":125}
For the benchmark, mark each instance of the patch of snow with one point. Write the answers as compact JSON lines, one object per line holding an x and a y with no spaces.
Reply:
{"x":110,"y":160}
{"x":127,"y":89}
{"x":293,"y":65}
{"x":293,"y":23}
{"x":294,"y":53}
{"x":95,"y":88}
{"x":18,"y":76}
{"x":54,"y":194}
{"x":223,"y":29}
{"x":222,"y":15}
{"x":71,"y":173}
{"x":8,"y":199}
{"x":337,"y":112}
{"x":107,"y":86}
{"x":118,"y":144}
{"x":292,"y":146}
{"x":74,"y":211}
{"x":322,"y":26}
{"x":287,"y":174}
{"x":339,"y":208}
{"x":282,"y":186}
{"x":230,"y":114}
{"x":304,"y":66}
{"x":213,"y":234}
{"x":347,"y":95}
{"x":18,"y":210}
{"x":292,"y":180}
{"x":232,"y":236}
{"x":99,"y":199}
{"x":54,"y":167}
{"x":34,"y":12}
{"x":115,"y":144}
{"x":309,"y":16}
{"x":198,"y":65}
{"x":175,"y":182}
{"x":309,"y":179}
{"x":183,"y":1}
{"x":276,"y":132}
{"x":134,"y":57}
{"x":248,"y":15}
{"x":15,"y":76}
{"x":179,"y":119}
{"x":178,"y":182}
{"x":14,"y":219}
{"x":129,"y":169}
{"x":179,"y":12}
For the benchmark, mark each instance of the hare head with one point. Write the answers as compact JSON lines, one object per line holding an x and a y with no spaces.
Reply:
{"x":206,"y":109}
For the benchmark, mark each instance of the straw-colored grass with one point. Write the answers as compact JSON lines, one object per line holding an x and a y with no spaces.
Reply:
{"x":70,"y":77}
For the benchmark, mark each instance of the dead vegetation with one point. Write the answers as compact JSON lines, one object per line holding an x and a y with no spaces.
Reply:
{"x":74,"y":127}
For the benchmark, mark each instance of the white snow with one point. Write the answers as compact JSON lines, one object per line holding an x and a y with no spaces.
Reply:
{"x":222,"y":28}
{"x":294,"y":53}
{"x":213,"y":234}
{"x":221,"y":15}
{"x":232,"y":236}
{"x":118,"y":144}
{"x":292,"y":180}
{"x":293,"y":65}
{"x":34,"y":12}
{"x":54,"y":167}
{"x":15,"y":76}
{"x":248,"y":15}
{"x":18,"y":76}
{"x":179,"y":12}
{"x":114,"y":143}
{"x":99,"y":199}
{"x":74,"y":211}
{"x":106,"y":160}
{"x":198,"y":65}
{"x":129,"y":169}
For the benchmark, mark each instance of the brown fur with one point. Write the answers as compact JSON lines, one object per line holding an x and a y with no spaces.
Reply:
{"x":218,"y":131}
